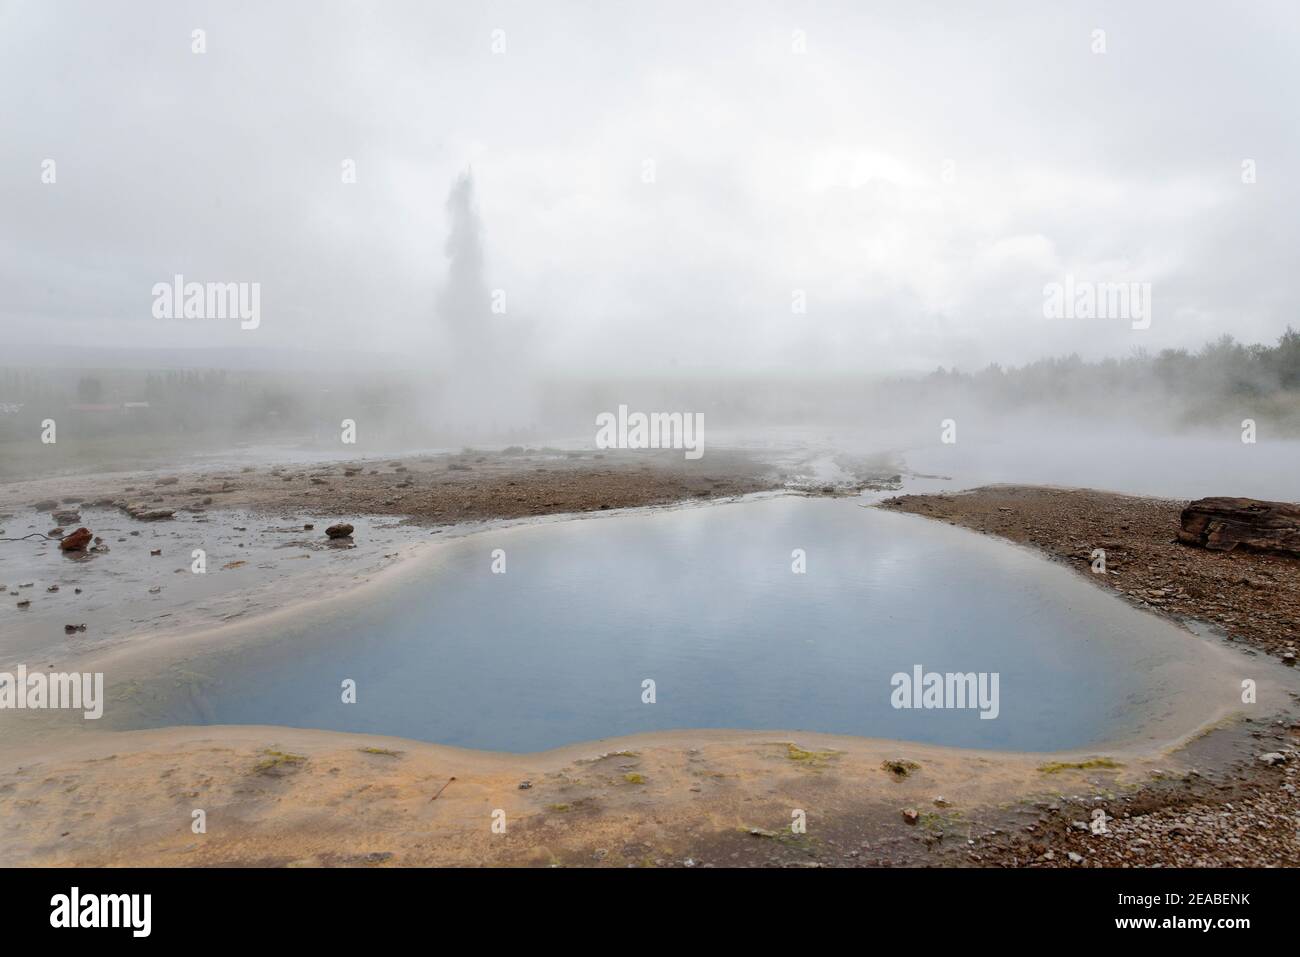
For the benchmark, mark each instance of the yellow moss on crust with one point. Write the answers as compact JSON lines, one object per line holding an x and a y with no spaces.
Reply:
{"x":1053,"y":767}
{"x":812,"y":759}
{"x":275,"y":760}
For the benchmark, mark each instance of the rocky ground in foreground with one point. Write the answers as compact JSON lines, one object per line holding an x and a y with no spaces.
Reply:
{"x":1249,"y":820}
{"x":1246,"y":816}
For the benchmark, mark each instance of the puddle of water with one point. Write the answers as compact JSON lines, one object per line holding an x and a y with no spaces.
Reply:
{"x":251,"y":562}
{"x":703,"y":601}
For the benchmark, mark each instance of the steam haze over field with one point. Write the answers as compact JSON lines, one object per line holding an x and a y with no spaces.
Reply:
{"x":497,"y":220}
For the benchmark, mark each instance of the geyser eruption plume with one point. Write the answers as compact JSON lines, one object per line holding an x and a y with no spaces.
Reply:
{"x":463,"y":303}
{"x":487,"y":385}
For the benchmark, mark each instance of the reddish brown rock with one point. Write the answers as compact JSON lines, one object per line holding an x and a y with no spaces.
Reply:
{"x":1222,"y":524}
{"x":77,"y":541}
{"x":341,"y":530}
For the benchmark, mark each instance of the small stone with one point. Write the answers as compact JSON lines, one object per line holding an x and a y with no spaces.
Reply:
{"x":77,"y":541}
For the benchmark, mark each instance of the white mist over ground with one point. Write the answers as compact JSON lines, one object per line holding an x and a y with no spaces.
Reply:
{"x":1178,"y":467}
{"x":783,"y":220}
{"x":1033,"y":449}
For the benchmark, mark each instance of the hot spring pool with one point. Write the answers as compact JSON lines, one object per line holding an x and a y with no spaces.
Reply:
{"x":703,"y":602}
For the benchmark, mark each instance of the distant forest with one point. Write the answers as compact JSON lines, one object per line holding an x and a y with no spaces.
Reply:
{"x":1222,"y":378}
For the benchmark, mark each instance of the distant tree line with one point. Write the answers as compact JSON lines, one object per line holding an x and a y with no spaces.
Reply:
{"x":1222,"y":376}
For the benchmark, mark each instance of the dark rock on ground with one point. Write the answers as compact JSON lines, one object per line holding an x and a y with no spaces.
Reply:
{"x":1222,"y":524}
{"x":77,"y":541}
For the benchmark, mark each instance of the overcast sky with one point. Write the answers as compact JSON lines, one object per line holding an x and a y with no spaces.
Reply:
{"x":774,"y":170}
